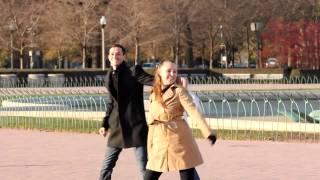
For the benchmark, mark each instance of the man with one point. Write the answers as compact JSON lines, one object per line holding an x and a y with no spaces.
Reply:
{"x":125,"y":116}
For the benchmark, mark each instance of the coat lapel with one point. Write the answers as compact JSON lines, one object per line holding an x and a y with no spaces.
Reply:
{"x":108,"y":80}
{"x":109,"y":84}
{"x":169,"y":94}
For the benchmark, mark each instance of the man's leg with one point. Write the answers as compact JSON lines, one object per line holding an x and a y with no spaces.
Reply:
{"x":142,"y":158}
{"x":109,"y":162}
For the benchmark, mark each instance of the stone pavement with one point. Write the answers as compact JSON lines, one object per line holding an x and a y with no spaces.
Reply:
{"x":35,"y":155}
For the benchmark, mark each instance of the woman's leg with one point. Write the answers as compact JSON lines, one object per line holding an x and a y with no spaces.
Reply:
{"x":152,"y":175}
{"x":196,"y":175}
{"x":187,"y":174}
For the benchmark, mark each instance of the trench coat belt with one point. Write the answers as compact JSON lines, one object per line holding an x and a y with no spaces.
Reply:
{"x":171,"y":124}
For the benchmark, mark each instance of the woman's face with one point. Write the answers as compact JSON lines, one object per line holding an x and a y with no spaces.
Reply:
{"x":168,"y":73}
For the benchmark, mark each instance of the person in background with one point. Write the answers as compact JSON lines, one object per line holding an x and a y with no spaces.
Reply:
{"x":171,"y":146}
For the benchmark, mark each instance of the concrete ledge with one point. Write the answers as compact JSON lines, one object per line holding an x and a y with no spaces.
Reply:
{"x":56,"y":80}
{"x":237,"y":76}
{"x":8,"y":80}
{"x":36,"y":80}
{"x":254,"y":125}
{"x":67,"y":115}
{"x":268,"y":76}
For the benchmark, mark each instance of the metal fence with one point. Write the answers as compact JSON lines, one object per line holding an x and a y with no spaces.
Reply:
{"x":43,"y":81}
{"x":283,"y":115}
{"x":78,"y":109}
{"x":246,"y":79}
{"x":98,"y":81}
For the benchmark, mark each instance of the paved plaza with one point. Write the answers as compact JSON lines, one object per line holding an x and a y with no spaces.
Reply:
{"x":35,"y":155}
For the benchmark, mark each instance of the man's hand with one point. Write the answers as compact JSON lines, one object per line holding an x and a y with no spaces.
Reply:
{"x":103,"y":132}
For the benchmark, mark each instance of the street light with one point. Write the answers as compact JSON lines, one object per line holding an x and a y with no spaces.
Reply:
{"x":256,"y":27}
{"x":12,"y":28}
{"x":103,"y":22}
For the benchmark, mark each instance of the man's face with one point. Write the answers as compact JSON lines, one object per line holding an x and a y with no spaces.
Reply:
{"x":116,"y":56}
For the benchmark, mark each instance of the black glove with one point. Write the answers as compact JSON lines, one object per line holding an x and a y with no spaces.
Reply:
{"x":212,"y":138}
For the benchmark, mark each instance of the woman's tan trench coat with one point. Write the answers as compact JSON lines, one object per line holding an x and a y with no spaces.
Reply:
{"x":171,"y":146}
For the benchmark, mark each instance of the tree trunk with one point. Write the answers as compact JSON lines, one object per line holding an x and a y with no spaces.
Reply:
{"x":316,"y":59}
{"x":177,"y":50}
{"x":59,"y":59}
{"x":258,"y":50}
{"x":137,"y":51}
{"x":21,"y":58}
{"x":84,"y":56}
{"x":177,"y":37}
{"x":189,"y":48}
{"x":84,"y":47}
{"x":203,"y":49}
{"x":317,"y":49}
{"x":248,"y":43}
{"x":173,"y":54}
{"x":289,"y":64}
{"x":211,"y":51}
{"x":153,"y":57}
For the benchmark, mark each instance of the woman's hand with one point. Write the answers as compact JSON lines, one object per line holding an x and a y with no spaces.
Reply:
{"x":184,"y":82}
{"x":212,"y":138}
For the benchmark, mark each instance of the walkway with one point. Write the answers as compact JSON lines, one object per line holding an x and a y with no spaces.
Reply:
{"x":34,"y":155}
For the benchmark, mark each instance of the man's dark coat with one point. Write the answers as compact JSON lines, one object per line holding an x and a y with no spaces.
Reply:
{"x":125,"y":117}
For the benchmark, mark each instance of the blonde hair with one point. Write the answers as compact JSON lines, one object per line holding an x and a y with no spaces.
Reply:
{"x":157,"y":85}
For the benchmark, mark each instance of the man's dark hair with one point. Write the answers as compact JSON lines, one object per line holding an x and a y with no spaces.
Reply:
{"x":121,"y":47}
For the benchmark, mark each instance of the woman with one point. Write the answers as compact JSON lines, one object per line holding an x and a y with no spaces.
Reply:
{"x":171,"y":146}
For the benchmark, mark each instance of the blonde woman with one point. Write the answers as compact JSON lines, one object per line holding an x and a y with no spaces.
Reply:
{"x":171,"y":146}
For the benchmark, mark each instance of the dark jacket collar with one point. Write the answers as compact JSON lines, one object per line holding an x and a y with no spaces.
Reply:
{"x":120,"y":67}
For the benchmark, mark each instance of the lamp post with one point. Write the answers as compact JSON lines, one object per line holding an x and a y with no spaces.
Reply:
{"x":12,"y":28}
{"x":103,"y":22}
{"x":256,"y":27}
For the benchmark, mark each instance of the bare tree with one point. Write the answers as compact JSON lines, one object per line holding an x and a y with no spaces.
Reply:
{"x":213,"y":20}
{"x":177,"y":25}
{"x":228,"y":22}
{"x":180,"y":17}
{"x":149,"y":26}
{"x":58,"y":42}
{"x":25,"y":16}
{"x":130,"y":21}
{"x":82,"y":22}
